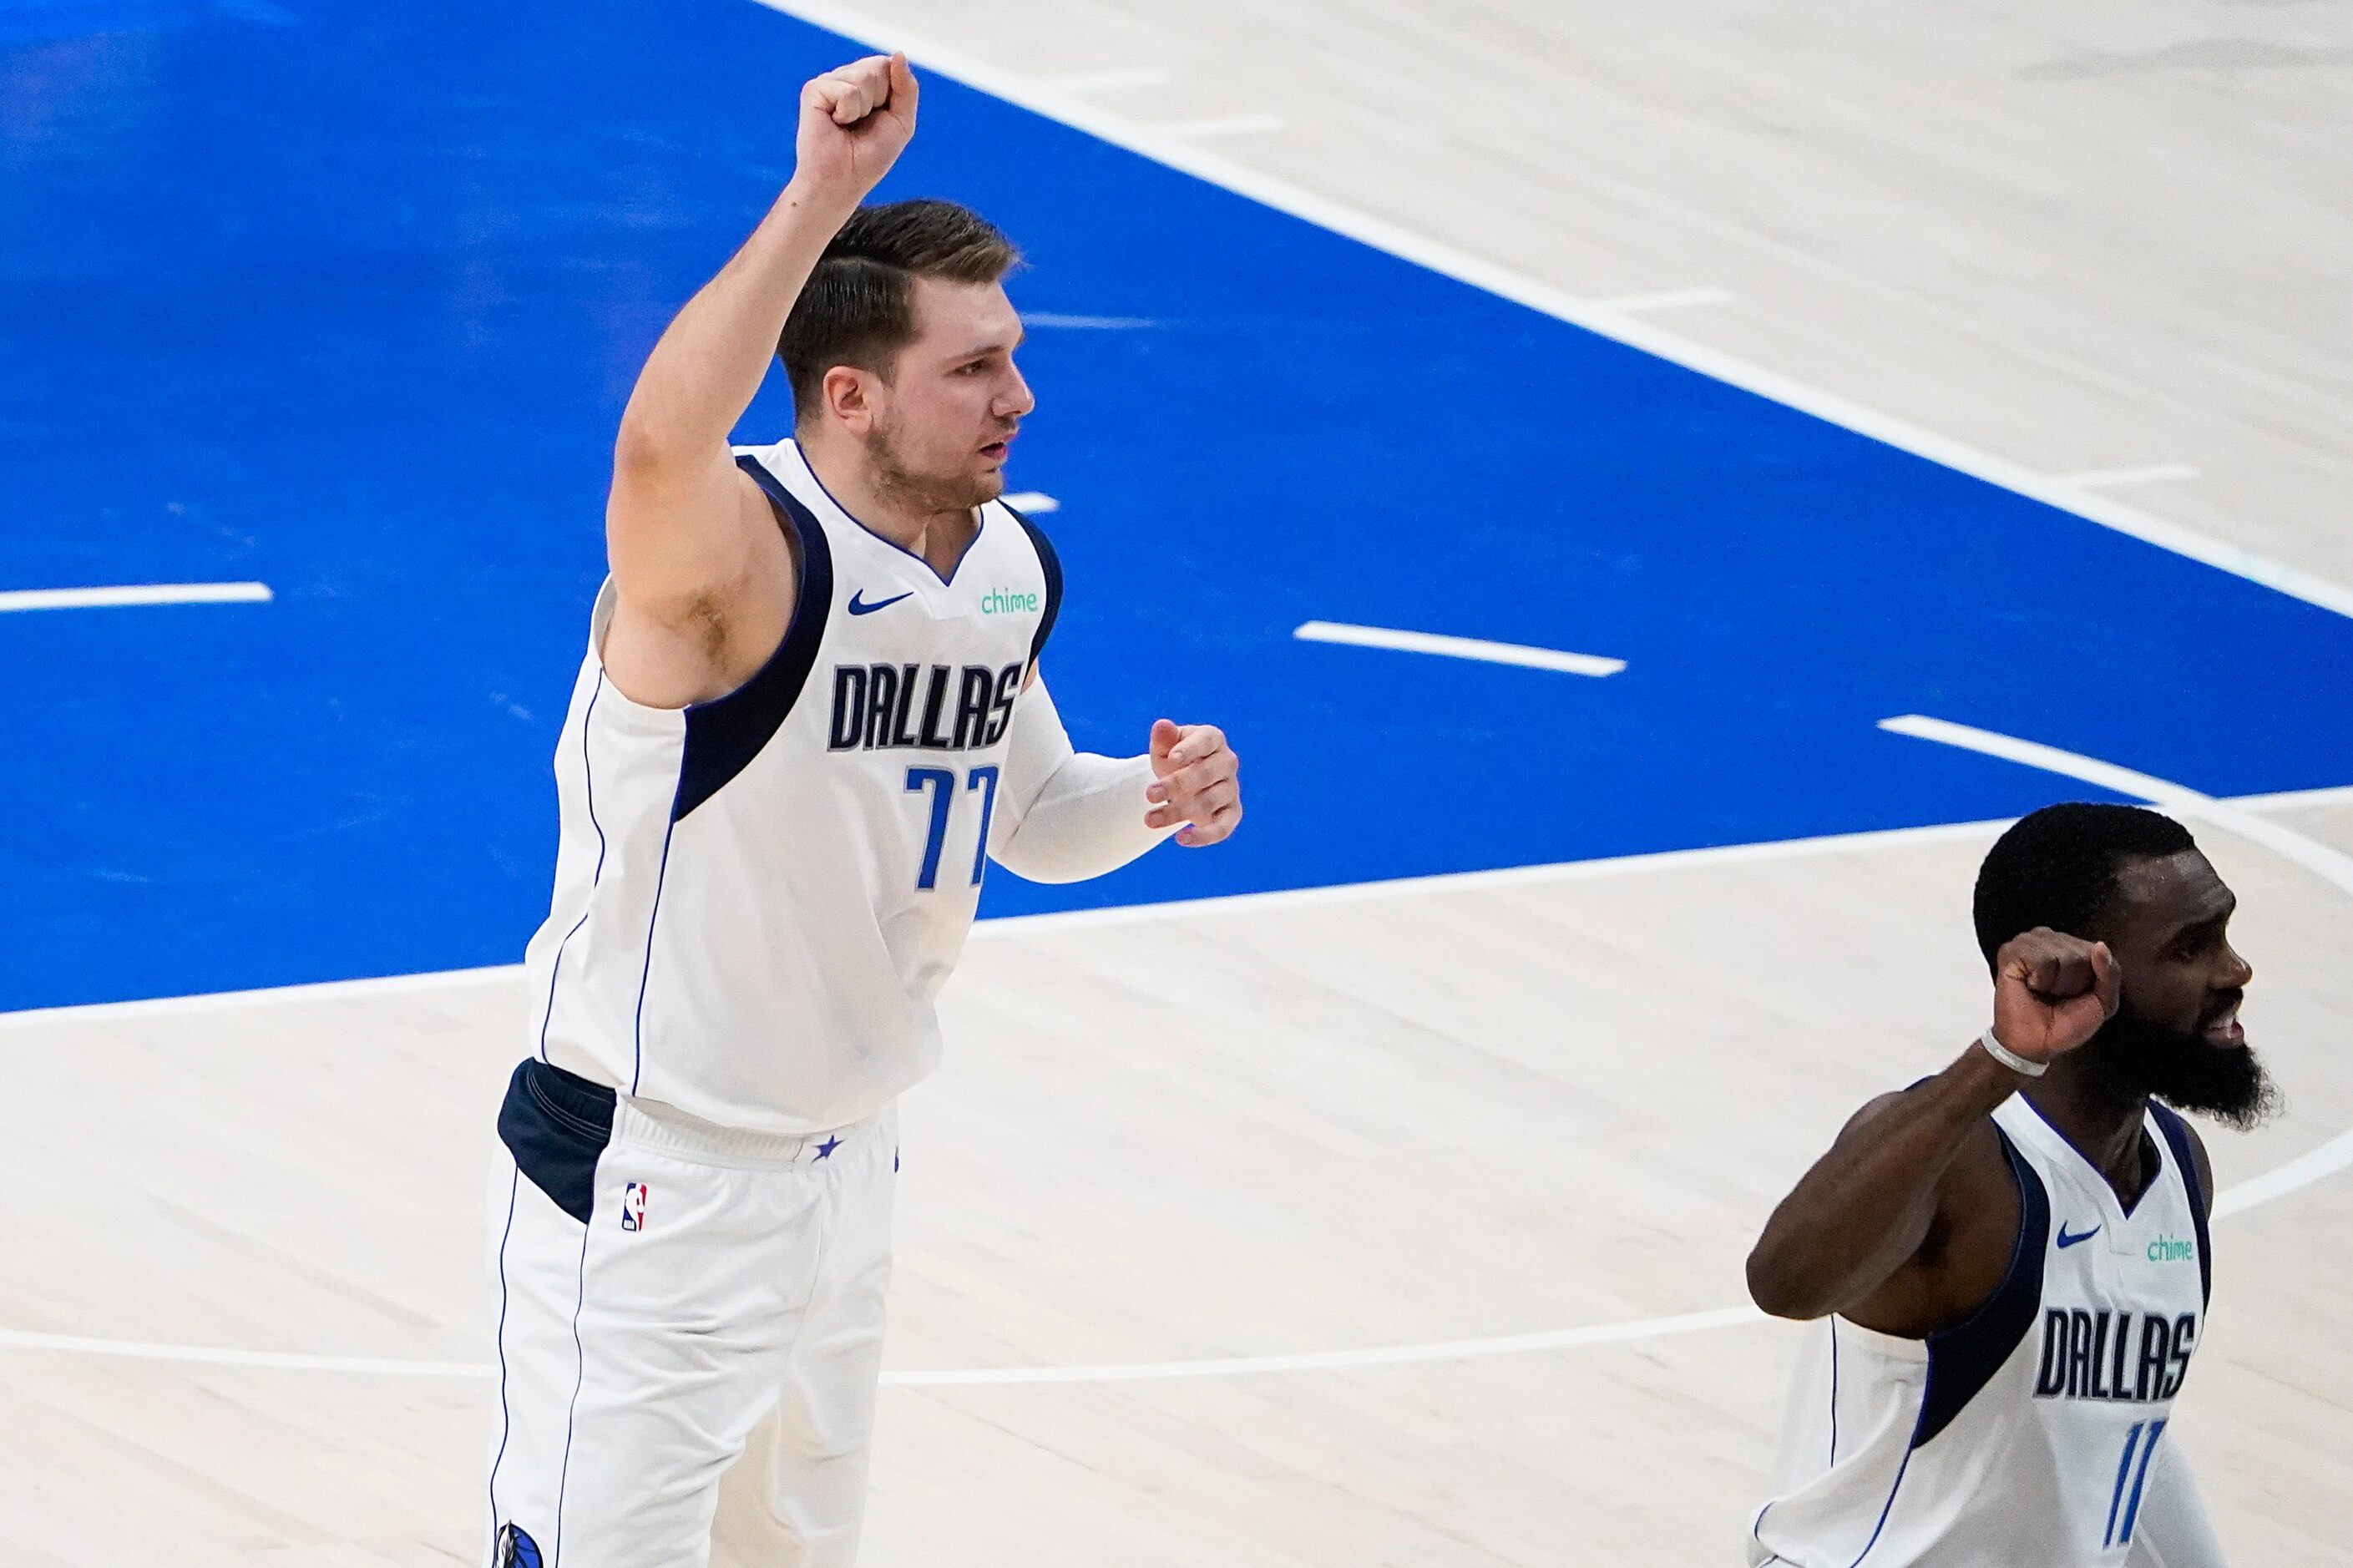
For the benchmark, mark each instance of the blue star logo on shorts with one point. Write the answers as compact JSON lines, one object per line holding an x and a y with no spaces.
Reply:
{"x":825,"y":1149}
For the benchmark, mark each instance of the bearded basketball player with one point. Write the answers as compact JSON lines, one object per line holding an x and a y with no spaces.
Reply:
{"x":810,"y":713}
{"x":2009,"y":1260}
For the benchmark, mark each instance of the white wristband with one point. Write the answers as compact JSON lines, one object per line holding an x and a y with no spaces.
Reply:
{"x":2010,"y":1059}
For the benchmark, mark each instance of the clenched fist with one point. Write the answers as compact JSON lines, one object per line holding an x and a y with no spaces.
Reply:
{"x":1197,"y":783}
{"x":2053,"y":992}
{"x":855,"y":121}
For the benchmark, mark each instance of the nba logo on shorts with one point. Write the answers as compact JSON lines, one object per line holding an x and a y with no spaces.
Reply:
{"x":633,"y":1206}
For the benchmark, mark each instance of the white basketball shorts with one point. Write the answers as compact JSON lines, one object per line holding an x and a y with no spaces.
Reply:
{"x":690,"y":1333}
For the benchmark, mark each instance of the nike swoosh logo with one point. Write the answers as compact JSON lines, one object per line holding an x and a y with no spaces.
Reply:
{"x":858,"y":607}
{"x":2066,"y":1240}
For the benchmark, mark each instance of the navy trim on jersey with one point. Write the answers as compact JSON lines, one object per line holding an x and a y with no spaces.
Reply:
{"x":1052,"y":565}
{"x":1756,"y":1526}
{"x":572,"y":1410}
{"x":556,"y":1125}
{"x":506,"y":1415}
{"x":1964,"y":1358}
{"x":1834,"y":1391}
{"x":2177,"y":1138}
{"x":725,"y":734}
{"x":588,"y":773}
{"x":646,"y":974}
{"x":1884,"y":1510}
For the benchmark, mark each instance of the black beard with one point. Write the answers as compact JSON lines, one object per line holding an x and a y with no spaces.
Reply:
{"x":2187,"y":1070}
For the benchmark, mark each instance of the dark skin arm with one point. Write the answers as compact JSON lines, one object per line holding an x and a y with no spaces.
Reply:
{"x":1906,"y":1225}
{"x":1906,"y":1222}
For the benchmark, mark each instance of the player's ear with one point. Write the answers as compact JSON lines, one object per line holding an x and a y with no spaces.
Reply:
{"x":848,"y":396}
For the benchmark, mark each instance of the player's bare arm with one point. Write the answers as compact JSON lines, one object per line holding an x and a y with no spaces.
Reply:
{"x":1907,"y":1222}
{"x":702,"y":573}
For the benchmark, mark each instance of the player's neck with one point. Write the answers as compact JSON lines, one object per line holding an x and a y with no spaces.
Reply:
{"x":2102,"y":1119}
{"x":894,"y":511}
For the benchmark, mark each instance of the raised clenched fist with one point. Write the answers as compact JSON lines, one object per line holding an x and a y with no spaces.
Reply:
{"x":2053,"y":992}
{"x":855,"y":121}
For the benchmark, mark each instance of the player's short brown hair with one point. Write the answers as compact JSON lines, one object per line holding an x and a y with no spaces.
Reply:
{"x":858,"y":307}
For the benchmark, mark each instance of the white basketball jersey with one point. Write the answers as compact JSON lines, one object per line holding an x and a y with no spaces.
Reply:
{"x":757,"y":898}
{"x":2025,"y":1435}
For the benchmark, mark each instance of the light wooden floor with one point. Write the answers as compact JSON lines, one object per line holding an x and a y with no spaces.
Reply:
{"x":2100,"y":236}
{"x":1264,"y":1129}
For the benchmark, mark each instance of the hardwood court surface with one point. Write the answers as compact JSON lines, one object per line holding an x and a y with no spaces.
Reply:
{"x":1560,"y":1100}
{"x":2102,"y":241}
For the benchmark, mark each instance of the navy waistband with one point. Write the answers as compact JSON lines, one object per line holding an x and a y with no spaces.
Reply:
{"x":587,"y":1106}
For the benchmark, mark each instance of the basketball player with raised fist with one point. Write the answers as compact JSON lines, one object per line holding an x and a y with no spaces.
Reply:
{"x":2009,"y":1260}
{"x":809,"y":716}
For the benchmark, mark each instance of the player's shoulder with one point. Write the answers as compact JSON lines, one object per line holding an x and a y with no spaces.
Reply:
{"x":1024,"y":523}
{"x":1984,"y":1138}
{"x":1018,"y":525}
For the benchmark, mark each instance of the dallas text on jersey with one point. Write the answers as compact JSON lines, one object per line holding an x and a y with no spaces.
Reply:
{"x":874,"y":707}
{"x":2084,"y":1359}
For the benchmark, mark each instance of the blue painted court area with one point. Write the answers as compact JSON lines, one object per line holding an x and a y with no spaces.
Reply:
{"x":346,"y":298}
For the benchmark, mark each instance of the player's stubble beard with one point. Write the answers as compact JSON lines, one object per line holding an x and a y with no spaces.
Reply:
{"x":916,"y":492}
{"x":2185,"y":1070}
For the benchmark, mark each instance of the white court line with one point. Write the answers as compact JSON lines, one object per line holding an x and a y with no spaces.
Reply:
{"x":2238,"y":816}
{"x":1460,"y":648}
{"x":972,"y":1377}
{"x":1666,"y":300}
{"x":1624,"y":327}
{"x":213,"y":1355}
{"x":228,"y":1001}
{"x":1332,"y":1361}
{"x":1037,"y":501}
{"x":136,"y":593}
{"x":2155,"y":473}
{"x":2297,"y":1173}
{"x":1223,"y":125}
{"x":2301,"y":1172}
{"x":1105,"y":81}
{"x":2331,"y":866}
{"x":1017,"y":926}
{"x":1086,"y":323}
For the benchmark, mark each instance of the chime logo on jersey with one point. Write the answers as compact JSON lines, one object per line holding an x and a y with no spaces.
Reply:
{"x":2092,"y":1354}
{"x":633,"y":1206}
{"x":886,"y":707}
{"x":1008,"y":602}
